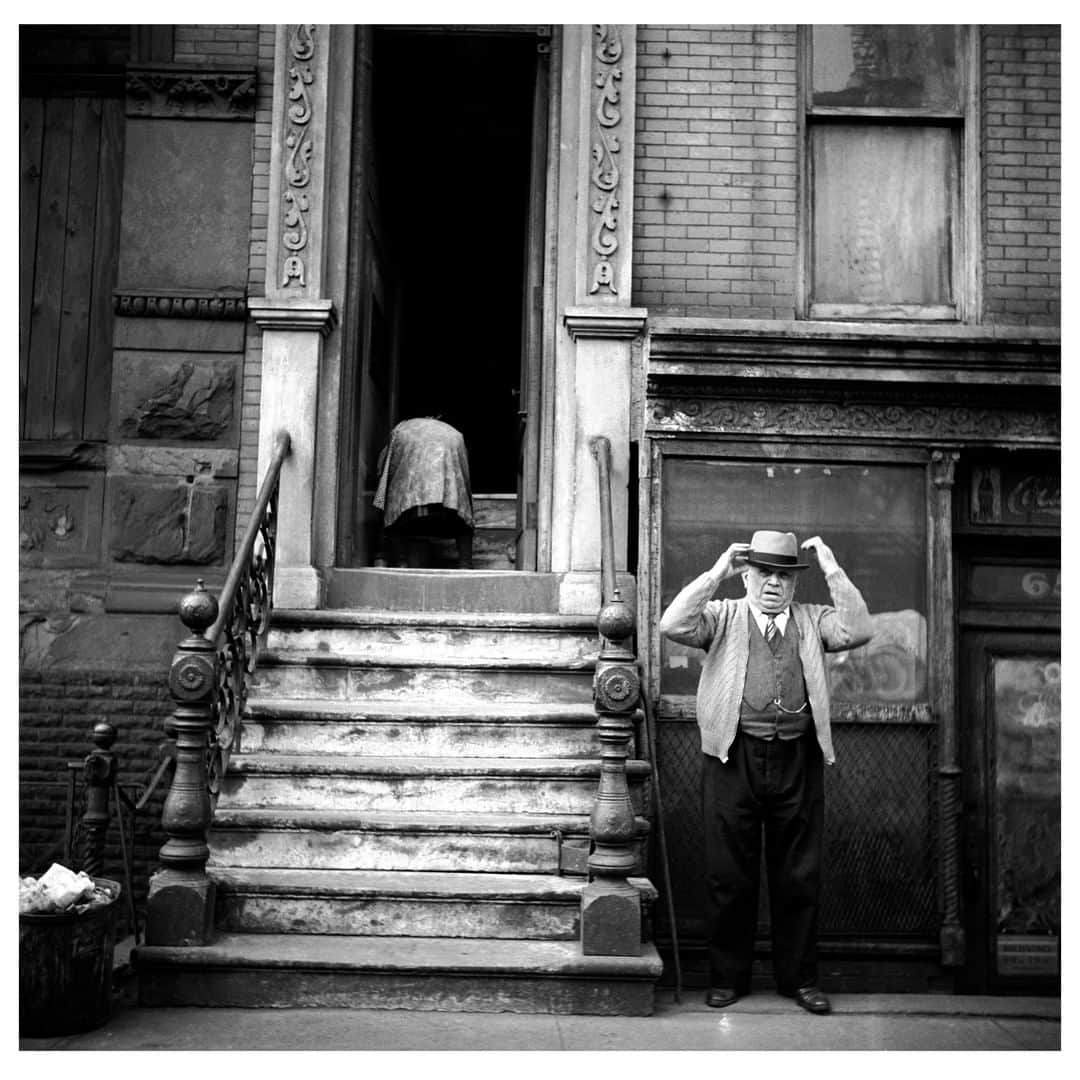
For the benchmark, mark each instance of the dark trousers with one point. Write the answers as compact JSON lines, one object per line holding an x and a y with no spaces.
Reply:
{"x":775,"y":787}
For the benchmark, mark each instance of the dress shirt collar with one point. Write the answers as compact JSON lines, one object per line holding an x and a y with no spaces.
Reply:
{"x":761,"y":618}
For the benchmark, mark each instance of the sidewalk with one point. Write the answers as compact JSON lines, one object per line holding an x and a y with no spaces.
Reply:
{"x":762,"y":1021}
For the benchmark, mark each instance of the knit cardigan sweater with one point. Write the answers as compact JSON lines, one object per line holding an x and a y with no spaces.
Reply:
{"x":721,"y":628}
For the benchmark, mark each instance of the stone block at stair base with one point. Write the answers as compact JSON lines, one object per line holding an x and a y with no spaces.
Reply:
{"x":432,"y":974}
{"x":424,"y":993}
{"x":180,"y":909}
{"x":610,"y":920}
{"x":298,"y":587}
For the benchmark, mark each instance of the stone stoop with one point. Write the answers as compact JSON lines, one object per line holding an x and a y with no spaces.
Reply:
{"x":396,"y":826}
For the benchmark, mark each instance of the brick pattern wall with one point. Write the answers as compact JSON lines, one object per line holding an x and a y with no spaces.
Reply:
{"x":716,"y":171}
{"x":260,"y":207}
{"x":1021,"y":140}
{"x":237,"y":44}
{"x":57,"y":713}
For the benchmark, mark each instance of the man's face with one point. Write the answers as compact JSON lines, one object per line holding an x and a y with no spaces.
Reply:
{"x":770,"y":590}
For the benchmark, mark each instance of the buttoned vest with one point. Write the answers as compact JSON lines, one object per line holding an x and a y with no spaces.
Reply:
{"x":772,"y":677}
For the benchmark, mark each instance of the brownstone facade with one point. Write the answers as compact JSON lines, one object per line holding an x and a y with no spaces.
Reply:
{"x":674,"y":302}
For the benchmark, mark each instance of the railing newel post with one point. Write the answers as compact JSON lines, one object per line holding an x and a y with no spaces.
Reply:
{"x":611,"y":917}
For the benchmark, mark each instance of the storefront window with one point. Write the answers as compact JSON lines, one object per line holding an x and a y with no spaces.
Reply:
{"x":872,"y":516}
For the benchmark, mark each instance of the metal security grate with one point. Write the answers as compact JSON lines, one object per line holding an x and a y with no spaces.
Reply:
{"x":880,"y":829}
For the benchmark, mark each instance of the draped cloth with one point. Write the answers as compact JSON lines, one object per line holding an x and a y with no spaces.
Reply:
{"x":423,"y":466}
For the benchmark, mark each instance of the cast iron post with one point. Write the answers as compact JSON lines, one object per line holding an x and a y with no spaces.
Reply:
{"x":180,"y":904}
{"x":99,"y":775}
{"x":610,"y":905}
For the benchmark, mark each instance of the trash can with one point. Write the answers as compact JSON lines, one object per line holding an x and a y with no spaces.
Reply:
{"x":65,"y":967}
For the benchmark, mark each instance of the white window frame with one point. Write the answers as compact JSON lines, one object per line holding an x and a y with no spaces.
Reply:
{"x":965,"y":268}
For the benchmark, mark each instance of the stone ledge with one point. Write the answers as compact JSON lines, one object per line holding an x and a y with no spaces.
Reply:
{"x":293,"y":314}
{"x":605,"y":322}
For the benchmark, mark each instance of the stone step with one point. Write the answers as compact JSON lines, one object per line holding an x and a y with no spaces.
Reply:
{"x":494,"y":510}
{"x":388,"y":840}
{"x":291,"y":674}
{"x":396,"y":728}
{"x":398,"y":904}
{"x":418,"y":973}
{"x":498,"y":785}
{"x":419,"y":638}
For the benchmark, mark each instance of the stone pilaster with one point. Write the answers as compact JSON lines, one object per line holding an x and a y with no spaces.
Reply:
{"x":294,"y":315}
{"x":593,"y":352}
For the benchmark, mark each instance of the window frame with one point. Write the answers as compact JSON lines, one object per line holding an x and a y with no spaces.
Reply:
{"x":764,"y":451}
{"x":964,"y":268}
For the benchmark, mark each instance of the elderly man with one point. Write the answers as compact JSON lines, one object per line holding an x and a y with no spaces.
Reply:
{"x":763,"y":711}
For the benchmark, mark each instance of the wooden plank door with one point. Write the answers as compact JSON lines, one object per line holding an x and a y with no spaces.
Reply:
{"x":69,"y":201}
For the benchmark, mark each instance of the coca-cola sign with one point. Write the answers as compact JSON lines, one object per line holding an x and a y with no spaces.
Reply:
{"x":1015,"y":497}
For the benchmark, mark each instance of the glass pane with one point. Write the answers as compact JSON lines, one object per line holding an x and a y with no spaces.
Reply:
{"x":883,"y":205}
{"x":872,"y":516}
{"x":1027,"y":812}
{"x":910,"y":67}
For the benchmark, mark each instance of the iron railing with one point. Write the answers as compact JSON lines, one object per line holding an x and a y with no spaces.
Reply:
{"x":210,"y":675}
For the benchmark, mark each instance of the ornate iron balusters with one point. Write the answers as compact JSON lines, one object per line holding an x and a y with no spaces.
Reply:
{"x":209,"y":679}
{"x":611,"y":906}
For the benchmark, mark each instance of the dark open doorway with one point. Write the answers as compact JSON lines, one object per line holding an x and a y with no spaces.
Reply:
{"x":450,"y":173}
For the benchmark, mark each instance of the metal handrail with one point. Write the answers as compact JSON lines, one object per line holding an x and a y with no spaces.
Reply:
{"x":244,"y":609}
{"x":210,"y":674}
{"x":601,"y":448}
{"x":282,"y":449}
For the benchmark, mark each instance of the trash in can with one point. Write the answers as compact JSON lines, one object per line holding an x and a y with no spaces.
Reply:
{"x":67,"y":932}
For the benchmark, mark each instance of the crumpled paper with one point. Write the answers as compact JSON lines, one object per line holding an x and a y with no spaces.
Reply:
{"x":59,"y":889}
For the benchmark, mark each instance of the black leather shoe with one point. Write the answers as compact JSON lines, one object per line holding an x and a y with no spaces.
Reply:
{"x":812,"y":999}
{"x":719,"y":997}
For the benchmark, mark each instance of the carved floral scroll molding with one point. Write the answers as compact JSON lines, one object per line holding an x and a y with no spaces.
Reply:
{"x":299,"y":146}
{"x":605,"y":174}
{"x":190,"y":94}
{"x":826,"y":418}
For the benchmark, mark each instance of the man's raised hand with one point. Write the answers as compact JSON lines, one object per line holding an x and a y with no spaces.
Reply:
{"x":826,"y":559}
{"x":732,"y":562}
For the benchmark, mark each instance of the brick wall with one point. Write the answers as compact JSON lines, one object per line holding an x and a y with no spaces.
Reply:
{"x":1021,"y":189}
{"x":260,"y":204}
{"x":716,"y":171}
{"x":57,"y":713}
{"x":216,"y":44}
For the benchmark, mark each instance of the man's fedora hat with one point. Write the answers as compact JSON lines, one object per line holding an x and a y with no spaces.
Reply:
{"x":774,"y":551}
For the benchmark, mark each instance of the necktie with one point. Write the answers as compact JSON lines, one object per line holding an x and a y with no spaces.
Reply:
{"x":772,"y":632}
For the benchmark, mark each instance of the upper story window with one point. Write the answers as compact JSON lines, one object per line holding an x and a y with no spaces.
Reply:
{"x":888,"y":232}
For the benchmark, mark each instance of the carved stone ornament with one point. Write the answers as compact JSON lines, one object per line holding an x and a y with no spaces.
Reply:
{"x":299,"y":146}
{"x":188,"y":401}
{"x":922,"y":421}
{"x":605,"y":174}
{"x":158,"y":305}
{"x":190,"y":94}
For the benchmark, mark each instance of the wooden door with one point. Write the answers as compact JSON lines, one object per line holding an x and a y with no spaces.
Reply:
{"x":532,"y":325}
{"x":1011,"y":715}
{"x":71,"y":150}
